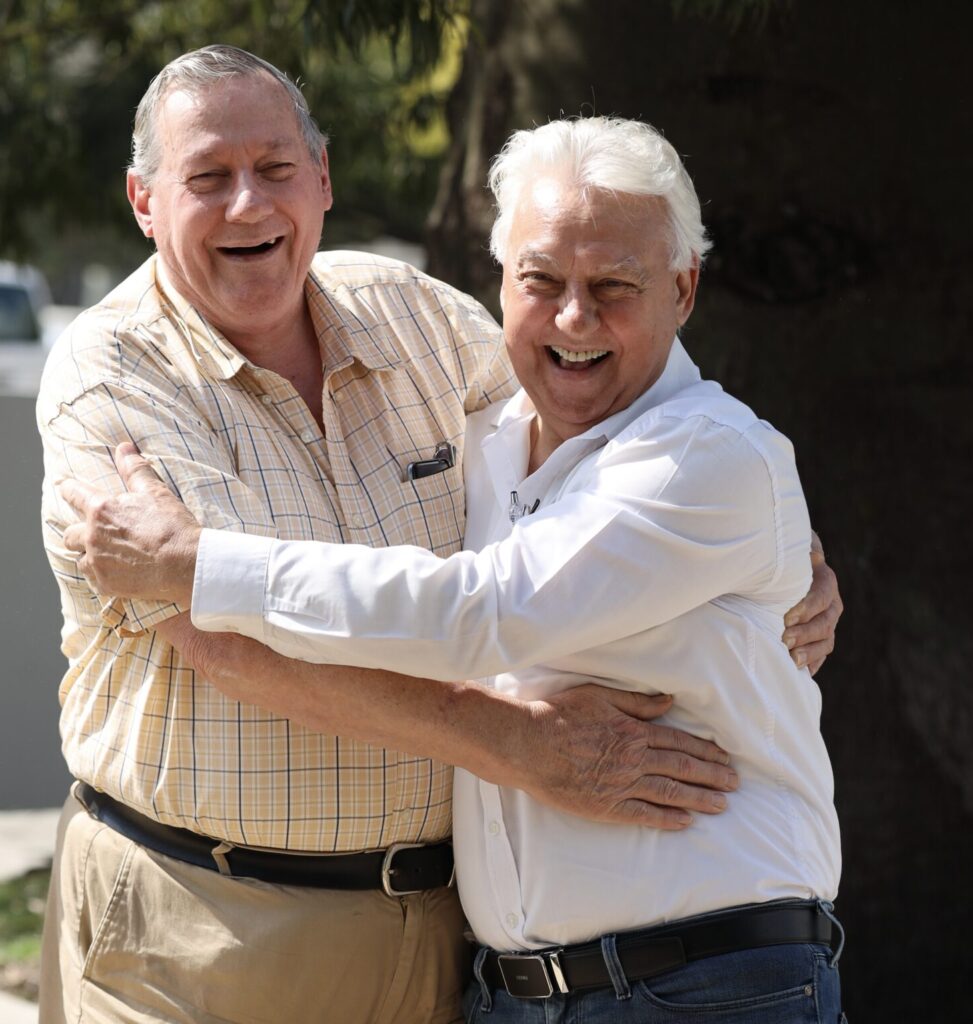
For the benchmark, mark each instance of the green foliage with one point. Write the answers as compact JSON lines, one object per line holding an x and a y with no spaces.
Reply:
{"x":74,"y":71}
{"x":22,"y":916}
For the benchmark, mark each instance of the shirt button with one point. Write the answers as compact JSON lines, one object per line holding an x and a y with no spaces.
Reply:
{"x":308,"y":436}
{"x":494,"y":828}
{"x":512,"y":920}
{"x":266,"y":399}
{"x":357,"y":520}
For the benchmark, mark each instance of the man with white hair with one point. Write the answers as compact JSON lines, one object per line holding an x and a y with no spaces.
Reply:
{"x":626,"y":521}
{"x":221,"y":863}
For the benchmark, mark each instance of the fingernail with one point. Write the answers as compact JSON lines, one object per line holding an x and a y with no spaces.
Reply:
{"x":734,"y":779}
{"x":718,"y":801}
{"x":800,"y":659}
{"x":790,"y":640}
{"x":684,"y":819}
{"x":791,"y":618}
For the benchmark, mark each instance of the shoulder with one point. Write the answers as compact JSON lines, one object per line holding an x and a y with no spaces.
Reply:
{"x":381,"y":283}
{"x":703,"y":417}
{"x":120,"y":340}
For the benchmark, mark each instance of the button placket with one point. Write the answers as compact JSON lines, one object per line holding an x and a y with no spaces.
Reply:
{"x":501,"y":865}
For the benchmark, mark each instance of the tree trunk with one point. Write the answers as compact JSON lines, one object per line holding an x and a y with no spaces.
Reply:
{"x":832,"y":152}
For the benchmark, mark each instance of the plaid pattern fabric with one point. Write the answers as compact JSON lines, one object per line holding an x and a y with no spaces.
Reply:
{"x":405,"y":357}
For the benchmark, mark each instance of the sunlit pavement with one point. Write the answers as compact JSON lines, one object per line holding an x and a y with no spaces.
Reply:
{"x":26,"y":842}
{"x":17,"y":1011}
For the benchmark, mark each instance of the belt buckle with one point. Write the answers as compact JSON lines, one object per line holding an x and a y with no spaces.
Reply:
{"x":387,"y":869}
{"x":531,"y":975}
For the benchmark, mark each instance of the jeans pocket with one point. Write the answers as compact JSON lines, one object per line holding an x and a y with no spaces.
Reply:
{"x":776,"y":984}
{"x":472,"y":998}
{"x":827,"y":991}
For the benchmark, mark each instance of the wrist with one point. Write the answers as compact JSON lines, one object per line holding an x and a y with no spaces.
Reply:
{"x":179,"y":570}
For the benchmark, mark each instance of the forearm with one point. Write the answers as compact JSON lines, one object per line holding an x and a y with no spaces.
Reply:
{"x":591,"y":751}
{"x":460,"y":723}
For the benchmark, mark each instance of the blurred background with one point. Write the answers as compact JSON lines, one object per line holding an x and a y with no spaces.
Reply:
{"x":830,"y":144}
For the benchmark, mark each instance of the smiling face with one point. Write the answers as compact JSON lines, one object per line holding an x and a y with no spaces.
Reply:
{"x":590,"y":306}
{"x":237,"y":206}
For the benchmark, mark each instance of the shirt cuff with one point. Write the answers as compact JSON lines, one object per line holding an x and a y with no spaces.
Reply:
{"x":230,"y":581}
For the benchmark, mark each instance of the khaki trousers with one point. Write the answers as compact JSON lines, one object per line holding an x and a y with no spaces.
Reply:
{"x":132,"y":936}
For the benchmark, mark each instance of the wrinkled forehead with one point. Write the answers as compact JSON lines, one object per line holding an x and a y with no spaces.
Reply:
{"x":239,"y":108}
{"x":552,"y":214}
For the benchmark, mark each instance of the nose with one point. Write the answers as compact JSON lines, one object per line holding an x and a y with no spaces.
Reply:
{"x":578,"y":313}
{"x":248,"y":203}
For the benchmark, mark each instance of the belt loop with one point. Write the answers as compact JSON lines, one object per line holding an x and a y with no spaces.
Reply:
{"x":614,"y":965}
{"x":827,"y":908}
{"x":219,"y":855}
{"x":486,"y":996}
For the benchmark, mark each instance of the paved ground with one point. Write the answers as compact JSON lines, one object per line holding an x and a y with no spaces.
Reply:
{"x":17,"y":1011}
{"x":26,"y":841}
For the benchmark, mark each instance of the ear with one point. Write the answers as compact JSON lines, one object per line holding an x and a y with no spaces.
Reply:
{"x":139,"y":198}
{"x":685,"y":285}
{"x":326,"y":181}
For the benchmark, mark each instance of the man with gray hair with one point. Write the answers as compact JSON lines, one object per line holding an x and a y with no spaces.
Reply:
{"x":625,"y":520}
{"x":217,"y":862}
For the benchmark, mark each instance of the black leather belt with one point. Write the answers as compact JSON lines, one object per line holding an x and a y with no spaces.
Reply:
{"x":644,"y":954}
{"x":402,"y":869}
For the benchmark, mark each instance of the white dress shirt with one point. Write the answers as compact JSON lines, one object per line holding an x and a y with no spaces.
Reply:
{"x":665,"y":547}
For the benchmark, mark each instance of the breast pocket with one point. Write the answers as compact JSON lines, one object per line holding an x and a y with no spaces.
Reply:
{"x":431,"y":512}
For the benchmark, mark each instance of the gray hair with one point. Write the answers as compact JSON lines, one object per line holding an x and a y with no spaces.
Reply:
{"x":608,"y":153}
{"x":198,"y":70}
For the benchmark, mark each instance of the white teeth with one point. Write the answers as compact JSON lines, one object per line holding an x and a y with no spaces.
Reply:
{"x":578,"y":357}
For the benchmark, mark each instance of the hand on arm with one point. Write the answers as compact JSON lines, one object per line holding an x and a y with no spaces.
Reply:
{"x":591,"y":751}
{"x":810,"y":624}
{"x":140,"y":543}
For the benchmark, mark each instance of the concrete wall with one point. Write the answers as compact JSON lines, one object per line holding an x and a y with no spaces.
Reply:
{"x":32,"y":771}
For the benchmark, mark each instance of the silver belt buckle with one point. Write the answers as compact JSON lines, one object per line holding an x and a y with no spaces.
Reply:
{"x":531,"y":975}
{"x":387,"y":869}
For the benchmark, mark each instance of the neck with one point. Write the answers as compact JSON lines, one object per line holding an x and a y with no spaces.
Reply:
{"x":291,"y":350}
{"x":542,"y":444}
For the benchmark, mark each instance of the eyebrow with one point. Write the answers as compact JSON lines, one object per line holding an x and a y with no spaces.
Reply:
{"x":628,"y":266}
{"x":534,"y":256}
{"x":212,"y":152}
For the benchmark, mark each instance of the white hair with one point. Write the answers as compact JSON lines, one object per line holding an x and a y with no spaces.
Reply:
{"x":198,"y":70}
{"x":609,"y":153}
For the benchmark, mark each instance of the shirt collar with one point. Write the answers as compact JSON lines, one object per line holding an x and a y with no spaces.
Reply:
{"x":345,"y":337}
{"x":212,"y":351}
{"x":342,"y":337}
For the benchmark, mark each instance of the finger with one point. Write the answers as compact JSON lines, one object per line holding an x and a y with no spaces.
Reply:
{"x":135,"y":471}
{"x":820,"y":628}
{"x":73,"y":537}
{"x":649,"y":815}
{"x":663,"y":738}
{"x":643,"y":706}
{"x":823,"y":592}
{"x":666,"y":792}
{"x":812,"y":656}
{"x":682,"y":767}
{"x":78,"y":494}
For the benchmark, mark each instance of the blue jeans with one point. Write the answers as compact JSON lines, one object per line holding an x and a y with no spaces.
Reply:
{"x":793,"y":984}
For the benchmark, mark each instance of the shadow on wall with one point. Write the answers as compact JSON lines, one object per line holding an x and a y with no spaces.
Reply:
{"x":32,"y":770}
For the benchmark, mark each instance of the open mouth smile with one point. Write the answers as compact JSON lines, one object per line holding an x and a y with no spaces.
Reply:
{"x":570,"y":360}
{"x":249,"y":251}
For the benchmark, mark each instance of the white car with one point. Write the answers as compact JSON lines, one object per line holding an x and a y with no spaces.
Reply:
{"x":25,"y":303}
